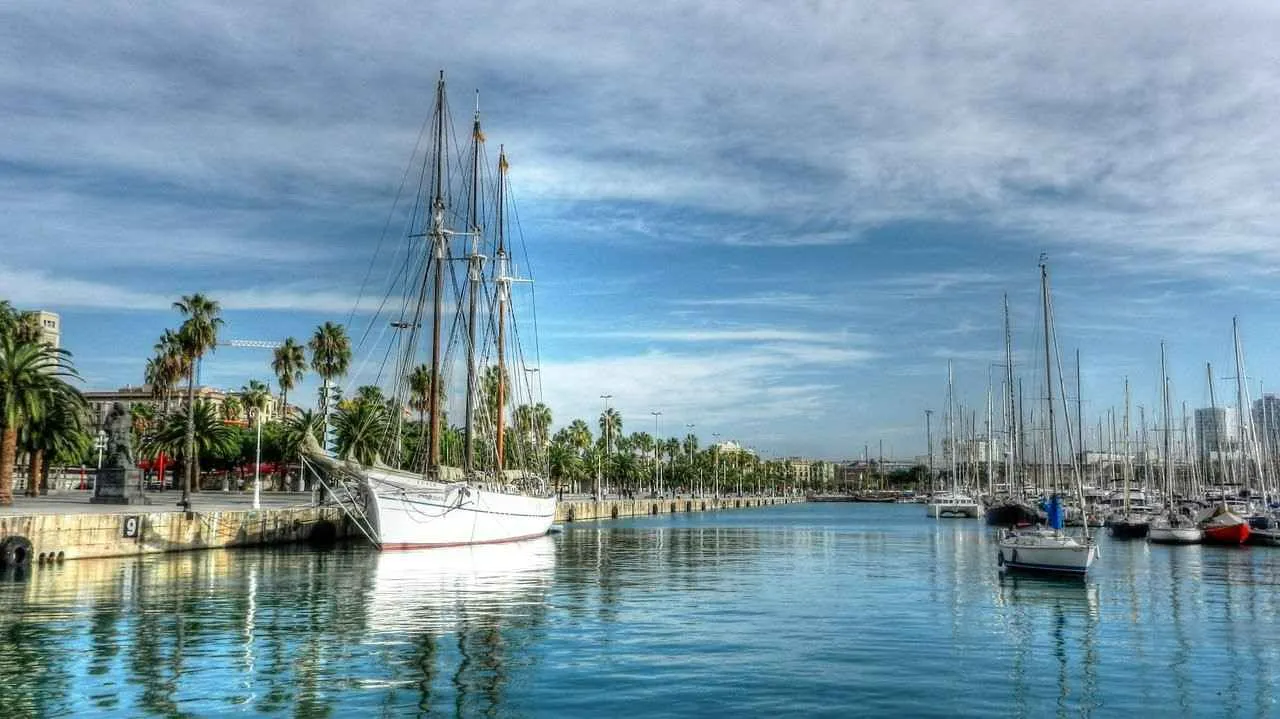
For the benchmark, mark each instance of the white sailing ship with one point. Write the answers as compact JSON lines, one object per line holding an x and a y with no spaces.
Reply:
{"x":422,"y":502}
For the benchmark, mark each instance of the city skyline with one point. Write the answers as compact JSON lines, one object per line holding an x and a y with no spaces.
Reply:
{"x":776,"y":225}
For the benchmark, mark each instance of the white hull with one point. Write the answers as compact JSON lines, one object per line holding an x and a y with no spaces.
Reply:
{"x":954,"y":509}
{"x":1045,"y":551}
{"x":449,"y":515}
{"x":1174,"y":535}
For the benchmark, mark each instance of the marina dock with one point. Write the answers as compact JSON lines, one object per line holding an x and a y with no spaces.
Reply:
{"x":66,"y":526}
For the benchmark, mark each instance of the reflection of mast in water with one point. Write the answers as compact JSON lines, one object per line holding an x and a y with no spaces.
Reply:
{"x":1182,"y":647}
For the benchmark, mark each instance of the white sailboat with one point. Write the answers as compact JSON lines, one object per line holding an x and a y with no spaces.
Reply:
{"x":953,"y":503}
{"x":426,"y":503}
{"x":1048,"y":549}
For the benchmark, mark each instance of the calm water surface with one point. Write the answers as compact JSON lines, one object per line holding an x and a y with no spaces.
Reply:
{"x":805,"y":610}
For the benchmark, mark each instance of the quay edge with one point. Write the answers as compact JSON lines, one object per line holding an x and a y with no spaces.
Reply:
{"x":60,"y":536}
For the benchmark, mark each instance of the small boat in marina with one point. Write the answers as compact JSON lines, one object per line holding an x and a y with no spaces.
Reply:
{"x":1131,"y":514}
{"x":1223,"y":526}
{"x":953,"y":504}
{"x":1046,"y":549}
{"x":1174,"y":528}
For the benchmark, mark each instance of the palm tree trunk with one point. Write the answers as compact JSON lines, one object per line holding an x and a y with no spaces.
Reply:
{"x":8,"y":455}
{"x":36,"y":457}
{"x":189,"y":466}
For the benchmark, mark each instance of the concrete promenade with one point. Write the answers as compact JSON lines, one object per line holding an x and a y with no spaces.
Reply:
{"x":66,"y":525}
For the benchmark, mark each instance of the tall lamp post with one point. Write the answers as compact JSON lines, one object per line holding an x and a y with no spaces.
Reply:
{"x":657,"y":443}
{"x":692,"y":486}
{"x":715,"y":470}
{"x":257,"y":462}
{"x":604,"y":461}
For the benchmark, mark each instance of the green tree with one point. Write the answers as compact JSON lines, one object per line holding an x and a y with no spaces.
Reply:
{"x":191,"y":435}
{"x":330,"y":358}
{"x":231,"y":409}
{"x":289,"y":363}
{"x":197,"y":335}
{"x":31,"y":378}
{"x":56,"y":432}
{"x":361,"y":428}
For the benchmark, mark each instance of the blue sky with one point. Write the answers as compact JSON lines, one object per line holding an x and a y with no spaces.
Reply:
{"x":776,"y":221}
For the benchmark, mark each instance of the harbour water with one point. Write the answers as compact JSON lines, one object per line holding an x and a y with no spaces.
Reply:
{"x":800,"y":610}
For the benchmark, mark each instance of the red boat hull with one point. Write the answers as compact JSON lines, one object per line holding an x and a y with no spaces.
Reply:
{"x":1230,"y":534}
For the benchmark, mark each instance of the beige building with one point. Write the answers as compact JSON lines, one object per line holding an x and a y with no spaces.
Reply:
{"x":100,"y":401}
{"x":50,"y":327}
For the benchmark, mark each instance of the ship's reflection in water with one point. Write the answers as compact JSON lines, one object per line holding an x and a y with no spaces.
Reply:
{"x":819,"y":610}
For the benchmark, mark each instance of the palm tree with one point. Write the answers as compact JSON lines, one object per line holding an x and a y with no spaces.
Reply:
{"x":231,"y":409}
{"x":289,"y":362}
{"x":59,"y":430}
{"x":142,"y":417}
{"x":197,"y":335}
{"x":254,"y":396}
{"x":296,"y":429}
{"x":166,"y":368}
{"x":420,"y":390}
{"x":188,"y":435}
{"x":330,"y":358}
{"x":360,"y":428}
{"x":579,"y":435}
{"x":610,"y":427}
{"x":563,"y":462}
{"x":30,"y":376}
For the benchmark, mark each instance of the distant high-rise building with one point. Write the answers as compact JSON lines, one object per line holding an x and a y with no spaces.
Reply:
{"x":1266,"y":422}
{"x":1216,"y":429}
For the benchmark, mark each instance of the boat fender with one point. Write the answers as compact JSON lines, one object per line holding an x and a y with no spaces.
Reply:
{"x":1000,"y":559}
{"x":1014,"y":558}
{"x":15,"y":551}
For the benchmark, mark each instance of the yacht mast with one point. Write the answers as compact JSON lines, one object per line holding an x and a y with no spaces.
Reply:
{"x":503,"y":289}
{"x":475,"y":264}
{"x":1168,"y":431}
{"x":1048,"y":378}
{"x":1012,"y":417}
{"x":439,"y":253}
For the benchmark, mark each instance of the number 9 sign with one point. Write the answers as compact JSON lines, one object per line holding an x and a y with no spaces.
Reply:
{"x":131,"y":526}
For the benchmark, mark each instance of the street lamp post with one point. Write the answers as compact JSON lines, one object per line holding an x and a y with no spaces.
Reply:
{"x":688,"y":439}
{"x":715,"y":471}
{"x":657,"y":443}
{"x":604,"y":460}
{"x":257,"y":462}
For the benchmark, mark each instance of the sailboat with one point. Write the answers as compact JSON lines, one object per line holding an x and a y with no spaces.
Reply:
{"x":1130,"y":522}
{"x":1171,"y":527}
{"x":1010,"y":510}
{"x":422,"y":502}
{"x":953,"y":503}
{"x":1048,"y":549}
{"x":1220,"y":524}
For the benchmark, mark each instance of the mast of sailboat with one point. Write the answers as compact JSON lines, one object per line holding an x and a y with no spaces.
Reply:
{"x":439,"y":251}
{"x":1048,"y":377}
{"x":1213,"y":409}
{"x":1128,"y":462}
{"x":1012,"y":422}
{"x":503,"y":288}
{"x":1080,"y":414}
{"x":475,"y":263}
{"x":951,"y":428}
{"x":1168,"y":432}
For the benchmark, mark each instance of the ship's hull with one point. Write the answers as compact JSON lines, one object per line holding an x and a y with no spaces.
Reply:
{"x":1012,"y":514}
{"x":953,"y":509}
{"x":1228,"y":534}
{"x":454,"y":515}
{"x":1045,"y":553}
{"x":1129,"y":528}
{"x":1165,"y":534}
